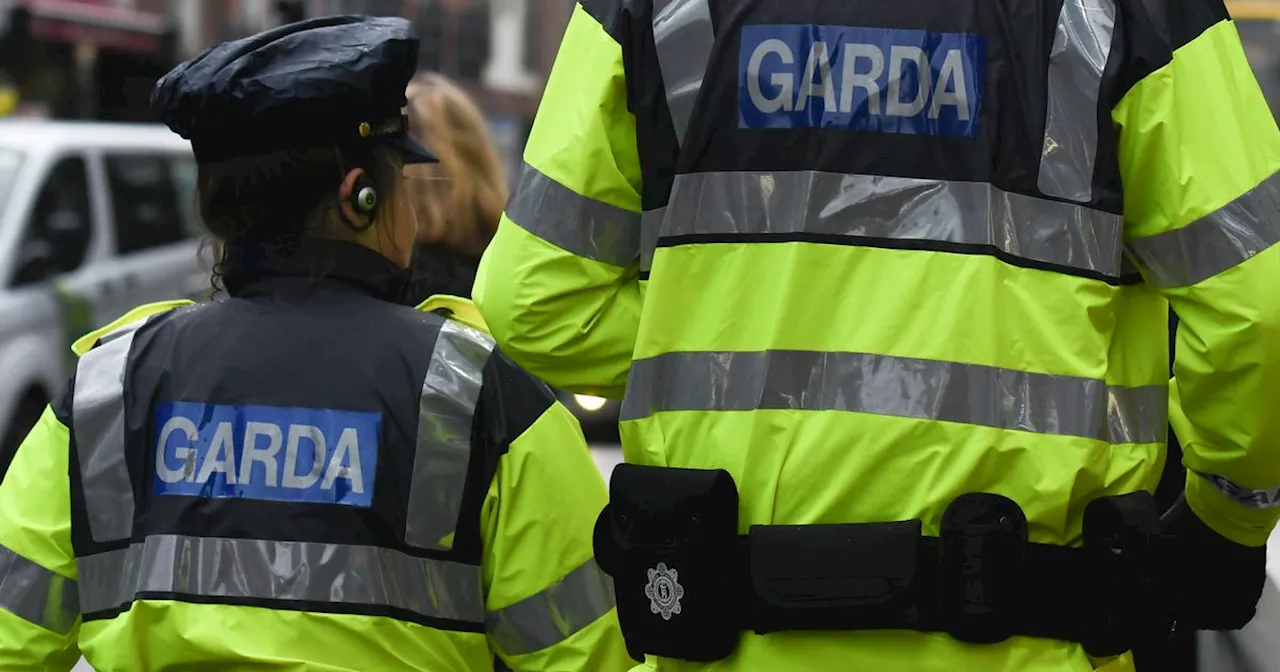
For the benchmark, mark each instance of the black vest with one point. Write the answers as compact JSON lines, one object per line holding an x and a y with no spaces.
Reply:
{"x":306,"y":444}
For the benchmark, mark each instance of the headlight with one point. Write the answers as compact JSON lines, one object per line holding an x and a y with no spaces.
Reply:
{"x":589,"y":403}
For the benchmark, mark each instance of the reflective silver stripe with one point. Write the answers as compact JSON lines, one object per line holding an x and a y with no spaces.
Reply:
{"x":450,"y":392}
{"x":1268,"y":498}
{"x":37,"y":595}
{"x":683,"y":36}
{"x":650,"y":229}
{"x":866,"y":206}
{"x":97,"y":418}
{"x":168,"y":566}
{"x":555,"y":614}
{"x":896,"y":386}
{"x":1079,"y":56}
{"x":1214,"y":243}
{"x":573,"y":222}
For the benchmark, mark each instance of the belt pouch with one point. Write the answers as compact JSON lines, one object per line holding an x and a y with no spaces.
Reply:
{"x":669,"y":539}
{"x":835,"y":577}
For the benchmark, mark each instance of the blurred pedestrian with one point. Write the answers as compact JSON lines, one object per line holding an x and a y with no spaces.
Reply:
{"x":884,"y":289}
{"x":306,"y":475}
{"x":464,"y":197}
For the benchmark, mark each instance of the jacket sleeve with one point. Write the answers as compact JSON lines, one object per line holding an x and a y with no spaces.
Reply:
{"x":549,"y":608}
{"x":559,"y":284}
{"x":39,"y":603}
{"x":1199,"y":154}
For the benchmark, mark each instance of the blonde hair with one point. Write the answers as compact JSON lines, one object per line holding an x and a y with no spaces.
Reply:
{"x":463,"y":209}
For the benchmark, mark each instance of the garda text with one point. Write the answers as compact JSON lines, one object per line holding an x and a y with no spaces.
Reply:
{"x":266,"y":452}
{"x":864,"y":79}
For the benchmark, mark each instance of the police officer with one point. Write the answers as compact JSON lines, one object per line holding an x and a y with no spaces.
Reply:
{"x":908,"y":263}
{"x":303,"y":475}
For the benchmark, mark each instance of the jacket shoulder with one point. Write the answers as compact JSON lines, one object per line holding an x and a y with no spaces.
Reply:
{"x":85,"y":343}
{"x":457,"y":309}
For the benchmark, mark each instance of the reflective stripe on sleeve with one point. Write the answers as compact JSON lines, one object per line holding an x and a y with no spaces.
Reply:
{"x":555,"y":614}
{"x":1268,"y":498}
{"x":863,"y":209}
{"x":896,"y":386}
{"x":683,"y":37}
{"x":446,"y":409}
{"x":98,"y":427}
{"x":1081,"y":47}
{"x":1214,"y":243}
{"x":573,"y":222}
{"x":294,"y":575}
{"x":37,"y":595}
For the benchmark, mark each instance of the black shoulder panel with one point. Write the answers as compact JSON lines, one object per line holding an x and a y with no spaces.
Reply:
{"x":612,"y":14}
{"x":511,"y":400}
{"x":61,"y":404}
{"x":1154,"y":29}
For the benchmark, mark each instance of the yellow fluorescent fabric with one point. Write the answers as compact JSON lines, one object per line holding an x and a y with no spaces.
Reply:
{"x":537,"y":526}
{"x":568,"y":319}
{"x":1174,"y":170}
{"x":160,"y":634}
{"x":583,"y":136}
{"x":894,"y":650}
{"x":948,"y":307}
{"x":896,"y":302}
{"x":1227,"y":375}
{"x":84,"y":343}
{"x":35,"y":523}
{"x":459,"y":308}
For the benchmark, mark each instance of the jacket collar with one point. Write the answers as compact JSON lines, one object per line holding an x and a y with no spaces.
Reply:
{"x":257,"y":266}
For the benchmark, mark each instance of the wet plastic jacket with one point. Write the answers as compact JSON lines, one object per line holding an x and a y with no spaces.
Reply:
{"x":864,"y":296}
{"x":158,"y":576}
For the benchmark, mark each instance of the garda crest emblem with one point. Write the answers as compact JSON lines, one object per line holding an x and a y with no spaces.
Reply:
{"x":664,"y":591}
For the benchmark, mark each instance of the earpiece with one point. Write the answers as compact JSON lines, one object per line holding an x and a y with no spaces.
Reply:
{"x":364,"y":197}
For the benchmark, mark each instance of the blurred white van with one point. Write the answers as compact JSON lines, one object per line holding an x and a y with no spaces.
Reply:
{"x":94,"y":220}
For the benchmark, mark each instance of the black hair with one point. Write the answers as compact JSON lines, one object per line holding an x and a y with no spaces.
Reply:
{"x":274,"y":199}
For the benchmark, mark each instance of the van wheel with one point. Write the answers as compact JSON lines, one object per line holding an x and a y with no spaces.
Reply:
{"x":24,"y":418}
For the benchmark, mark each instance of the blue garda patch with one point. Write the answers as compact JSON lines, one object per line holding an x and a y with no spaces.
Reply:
{"x":266,"y":452}
{"x":864,"y":79}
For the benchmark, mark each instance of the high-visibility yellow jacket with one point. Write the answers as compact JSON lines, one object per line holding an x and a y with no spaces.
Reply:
{"x":863,"y":297}
{"x":202,"y":602}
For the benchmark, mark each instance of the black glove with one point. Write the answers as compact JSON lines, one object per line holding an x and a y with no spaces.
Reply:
{"x":1217,"y":580}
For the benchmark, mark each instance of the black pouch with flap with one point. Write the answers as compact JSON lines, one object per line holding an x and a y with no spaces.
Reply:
{"x":669,"y":539}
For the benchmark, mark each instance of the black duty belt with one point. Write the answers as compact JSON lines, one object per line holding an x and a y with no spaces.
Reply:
{"x":687,"y":584}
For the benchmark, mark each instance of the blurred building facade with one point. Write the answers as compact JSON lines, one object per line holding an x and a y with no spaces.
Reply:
{"x":82,"y":58}
{"x":499,"y":51}
{"x":97,"y":59}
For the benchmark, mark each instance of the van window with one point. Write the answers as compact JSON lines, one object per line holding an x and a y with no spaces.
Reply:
{"x":57,"y":236}
{"x":148,"y":200}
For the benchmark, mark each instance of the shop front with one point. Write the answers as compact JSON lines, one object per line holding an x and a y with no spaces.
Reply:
{"x":82,"y":59}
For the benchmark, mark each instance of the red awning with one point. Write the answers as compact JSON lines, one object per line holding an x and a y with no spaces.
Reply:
{"x":105,"y":25}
